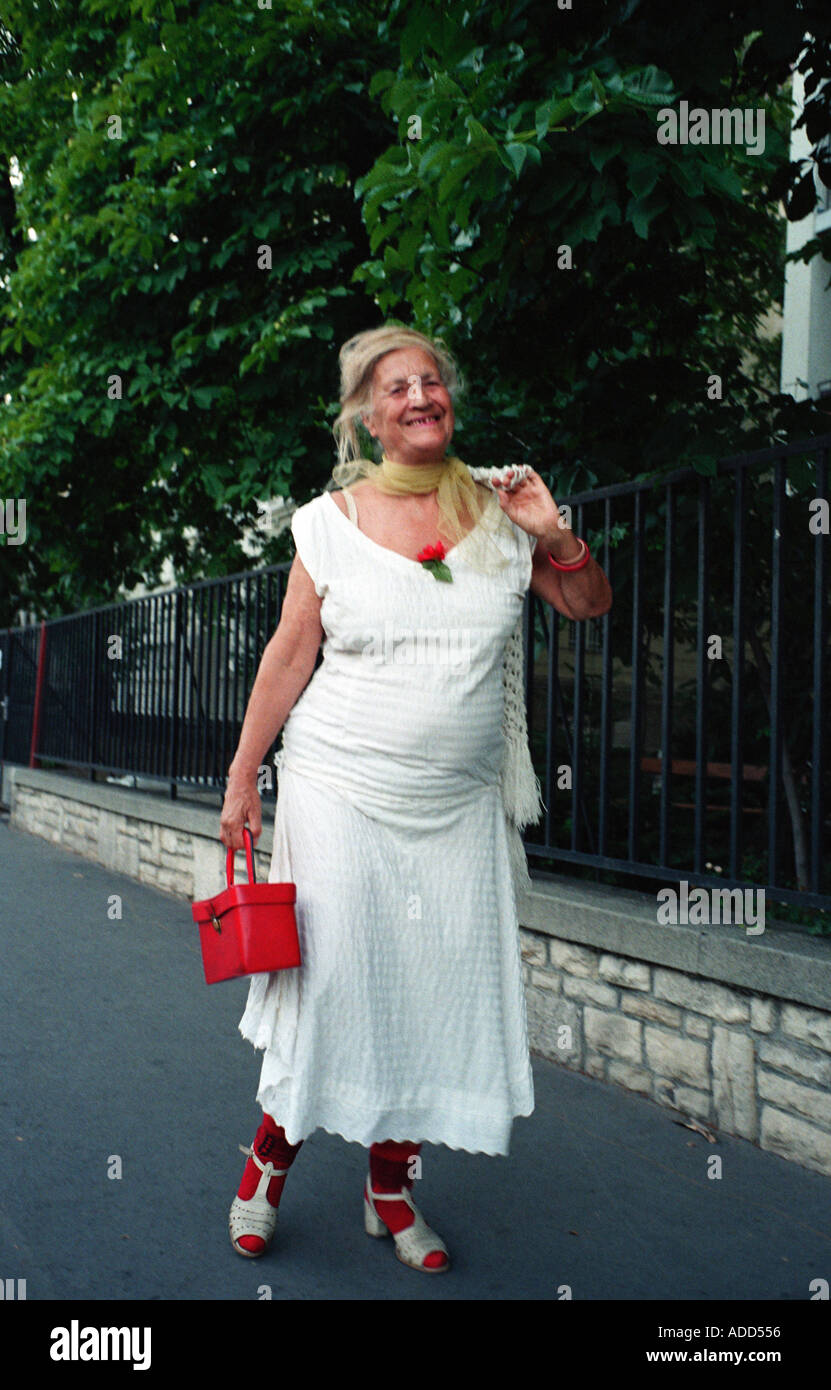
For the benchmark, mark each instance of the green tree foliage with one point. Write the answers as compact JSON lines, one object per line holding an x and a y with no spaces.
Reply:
{"x":244,"y":127}
{"x":537,"y":151}
{"x":240,"y":129}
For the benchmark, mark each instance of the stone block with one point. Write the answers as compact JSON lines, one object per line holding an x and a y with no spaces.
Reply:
{"x":208,"y":868}
{"x":171,"y":882}
{"x":762,"y":1015}
{"x":574,"y":960}
{"x":795,"y":1139}
{"x":141,"y":829}
{"x":617,"y":970}
{"x":808,"y":1025}
{"x":643,"y":1006}
{"x":702,"y":996}
{"x":533,"y":948}
{"x":734,"y":1082}
{"x":677,"y":1058}
{"x":696,"y":1103}
{"x":126,"y":858}
{"x":810,"y":1101}
{"x":595,"y":1065}
{"x":180,"y":863}
{"x":804,"y":1064}
{"x":549,"y":1016}
{"x":591,"y":990}
{"x":613,"y":1035}
{"x":546,"y":979}
{"x":632,"y":1077}
{"x":697,"y":1027}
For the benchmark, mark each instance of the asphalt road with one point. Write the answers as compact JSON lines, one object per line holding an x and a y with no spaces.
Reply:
{"x":111,"y":1045}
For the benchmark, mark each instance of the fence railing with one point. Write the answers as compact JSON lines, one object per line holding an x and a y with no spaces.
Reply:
{"x":155,"y":686}
{"x":684,"y":733}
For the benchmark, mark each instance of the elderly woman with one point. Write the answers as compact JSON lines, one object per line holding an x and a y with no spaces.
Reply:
{"x":406,"y":1021}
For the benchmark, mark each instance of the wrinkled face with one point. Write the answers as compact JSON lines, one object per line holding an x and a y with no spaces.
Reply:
{"x":412,"y":413}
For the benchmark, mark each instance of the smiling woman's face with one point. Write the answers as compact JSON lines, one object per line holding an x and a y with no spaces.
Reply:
{"x":407,"y":389}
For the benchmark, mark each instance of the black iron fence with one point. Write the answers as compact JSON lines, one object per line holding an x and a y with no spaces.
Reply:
{"x":684,"y":733}
{"x":154,"y":687}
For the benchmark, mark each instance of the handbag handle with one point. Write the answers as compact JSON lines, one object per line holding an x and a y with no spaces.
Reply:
{"x":249,"y":858}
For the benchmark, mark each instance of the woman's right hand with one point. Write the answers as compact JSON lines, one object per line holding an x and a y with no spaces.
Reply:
{"x":242,"y":804}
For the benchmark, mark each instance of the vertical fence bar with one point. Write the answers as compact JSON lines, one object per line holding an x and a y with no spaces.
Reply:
{"x":158,"y":734}
{"x":737,"y":687}
{"x":168,"y":702}
{"x":242,"y":646}
{"x":155,"y":737}
{"x":702,"y":672}
{"x":58,"y":669}
{"x":528,"y":654}
{"x":37,"y":713}
{"x":137,"y":680}
{"x":577,"y":807}
{"x":95,"y":651}
{"x":175,"y":768}
{"x":211,"y":687}
{"x":197,"y":642}
{"x":775,"y":671}
{"x":160,"y":719}
{"x":667,"y":676}
{"x":128,"y":687}
{"x":189,"y":604}
{"x":109,"y":688}
{"x":552,"y":619}
{"x":224,"y":657}
{"x":820,"y":639}
{"x":635,"y":694}
{"x":141,"y":677}
{"x":204,"y":677}
{"x":5,"y":643}
{"x":606,"y":690}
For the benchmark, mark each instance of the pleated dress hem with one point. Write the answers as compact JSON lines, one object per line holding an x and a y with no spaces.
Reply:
{"x":463,"y":1133}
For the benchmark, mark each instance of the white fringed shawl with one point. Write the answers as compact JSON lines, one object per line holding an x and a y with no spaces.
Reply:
{"x":521,"y":793}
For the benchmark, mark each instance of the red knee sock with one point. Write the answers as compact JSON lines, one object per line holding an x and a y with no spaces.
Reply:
{"x":270,"y":1146}
{"x":388,"y":1172}
{"x":389,"y":1165}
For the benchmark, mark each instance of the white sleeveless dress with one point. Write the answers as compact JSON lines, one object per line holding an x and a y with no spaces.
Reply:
{"x":406,"y":1019}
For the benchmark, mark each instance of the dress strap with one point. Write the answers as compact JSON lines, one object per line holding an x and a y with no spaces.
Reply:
{"x":351,"y":506}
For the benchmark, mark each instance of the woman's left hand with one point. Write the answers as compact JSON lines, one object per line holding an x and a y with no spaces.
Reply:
{"x":529,"y":504}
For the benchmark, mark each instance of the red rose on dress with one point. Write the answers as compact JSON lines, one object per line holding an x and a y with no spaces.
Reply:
{"x":432,"y":559}
{"x":432,"y":552}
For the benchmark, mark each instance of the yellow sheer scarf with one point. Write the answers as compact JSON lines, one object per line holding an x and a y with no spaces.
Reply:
{"x":459,"y":498}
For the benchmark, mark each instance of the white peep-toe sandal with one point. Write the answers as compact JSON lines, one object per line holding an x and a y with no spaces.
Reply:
{"x":254,"y":1216}
{"x":412,"y":1244}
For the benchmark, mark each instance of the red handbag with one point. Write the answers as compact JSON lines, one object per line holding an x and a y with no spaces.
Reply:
{"x":248,"y":927}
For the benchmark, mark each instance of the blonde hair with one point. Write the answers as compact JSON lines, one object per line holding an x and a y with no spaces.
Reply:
{"x":457,"y":493}
{"x":358,"y":358}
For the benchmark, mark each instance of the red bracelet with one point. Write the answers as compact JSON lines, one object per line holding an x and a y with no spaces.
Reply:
{"x":571,"y":566}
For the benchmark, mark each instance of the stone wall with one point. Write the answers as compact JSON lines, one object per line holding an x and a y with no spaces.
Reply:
{"x":172,"y":845}
{"x":729,"y":1030}
{"x":745,"y":1063}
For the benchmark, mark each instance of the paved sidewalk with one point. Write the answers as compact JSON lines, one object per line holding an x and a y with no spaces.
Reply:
{"x":112,"y":1044}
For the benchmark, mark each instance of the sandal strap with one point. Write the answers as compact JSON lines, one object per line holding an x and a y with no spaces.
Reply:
{"x":418,"y":1239}
{"x":275,"y":1172}
{"x":403,"y":1196}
